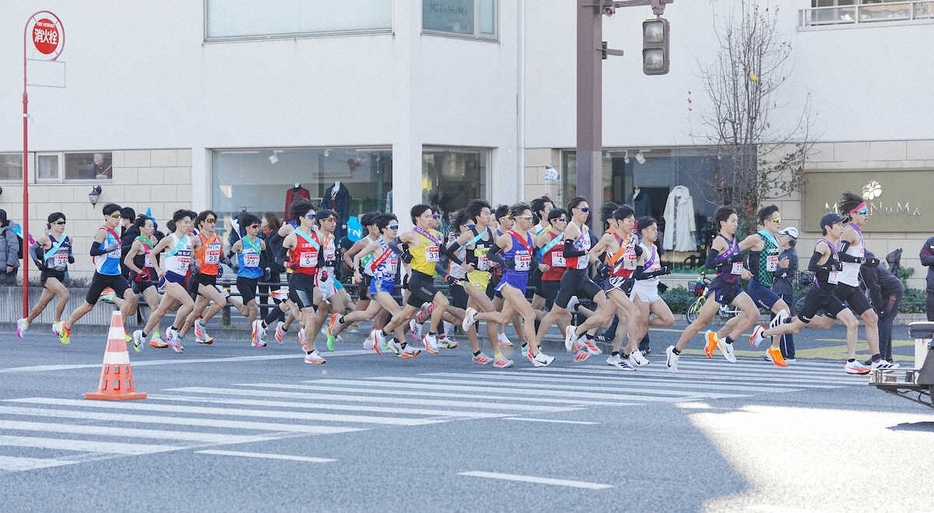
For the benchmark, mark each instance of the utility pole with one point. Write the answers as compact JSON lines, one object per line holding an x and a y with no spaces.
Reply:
{"x":590,"y":54}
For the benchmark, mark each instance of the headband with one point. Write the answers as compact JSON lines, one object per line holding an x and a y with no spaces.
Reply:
{"x":859,"y":207}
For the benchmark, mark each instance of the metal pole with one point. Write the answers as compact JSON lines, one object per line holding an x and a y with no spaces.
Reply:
{"x":590,"y":106}
{"x":25,"y":178}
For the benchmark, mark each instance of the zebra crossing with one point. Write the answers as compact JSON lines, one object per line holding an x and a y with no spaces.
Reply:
{"x":44,"y":432}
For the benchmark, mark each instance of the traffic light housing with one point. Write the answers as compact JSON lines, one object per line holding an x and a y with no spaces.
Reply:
{"x":655,"y":33}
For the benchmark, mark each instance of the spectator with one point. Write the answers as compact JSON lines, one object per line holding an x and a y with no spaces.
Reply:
{"x":784,"y":283}
{"x":9,"y":247}
{"x":927,"y":259}
{"x":885,"y":294}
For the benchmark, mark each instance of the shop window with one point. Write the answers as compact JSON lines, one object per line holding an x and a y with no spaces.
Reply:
{"x":263,"y":180}
{"x":469,"y":18}
{"x":11,"y":166}
{"x":248,"y":19}
{"x":452,"y":177}
{"x":47,"y":167}
{"x":89,"y":166}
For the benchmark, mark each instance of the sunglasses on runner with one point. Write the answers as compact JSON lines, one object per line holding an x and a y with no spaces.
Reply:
{"x":863,"y":211}
{"x":115,"y":215}
{"x":210,"y":220}
{"x":584,"y":209}
{"x":59,"y":222}
{"x":776,"y":219}
{"x":436,"y":216}
{"x":393,"y":227}
{"x":254,"y":226}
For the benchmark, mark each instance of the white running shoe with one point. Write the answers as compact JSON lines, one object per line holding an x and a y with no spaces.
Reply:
{"x":280,"y":333}
{"x":541,"y":359}
{"x":415,"y":330}
{"x":613,"y":359}
{"x":21,"y":327}
{"x":482,"y":359}
{"x":573,"y":304}
{"x":392,"y":344}
{"x":780,"y":318}
{"x":257,"y":334}
{"x":503,"y":363}
{"x":727,"y":350}
{"x":469,"y":319}
{"x":636,"y":359}
{"x":856,"y":368}
{"x":504,"y":340}
{"x":570,"y":337}
{"x":623,"y":364}
{"x":57,"y":327}
{"x":431,"y":343}
{"x":883,"y":365}
{"x":408,"y":351}
{"x":314,"y":358}
{"x":199,"y":329}
{"x":672,"y":359}
{"x":757,"y":337}
{"x":138,"y":339}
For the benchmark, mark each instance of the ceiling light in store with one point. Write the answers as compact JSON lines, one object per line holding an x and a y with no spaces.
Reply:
{"x":640,"y":158}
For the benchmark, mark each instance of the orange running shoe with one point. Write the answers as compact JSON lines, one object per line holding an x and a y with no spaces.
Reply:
{"x":712,"y":341}
{"x":774,"y":355}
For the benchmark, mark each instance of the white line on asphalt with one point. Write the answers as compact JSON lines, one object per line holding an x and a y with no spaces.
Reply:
{"x":179,"y":361}
{"x":175,"y":421}
{"x":715,"y":373}
{"x":85,"y":445}
{"x":308,"y":459}
{"x":16,"y":464}
{"x":538,"y":480}
{"x":554,"y":421}
{"x":237,"y":412}
{"x":161,"y":434}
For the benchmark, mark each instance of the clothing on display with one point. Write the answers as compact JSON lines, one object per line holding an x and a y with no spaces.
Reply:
{"x":337,"y":198}
{"x":679,"y":221}
{"x":640,"y":202}
{"x":296,"y":192}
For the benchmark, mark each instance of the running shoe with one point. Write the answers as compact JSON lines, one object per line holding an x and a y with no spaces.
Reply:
{"x":791,"y":360}
{"x":582,"y":355}
{"x":446,"y":342}
{"x":431,"y":343}
{"x":415,"y":330}
{"x":424,"y":313}
{"x":314,"y":358}
{"x":591,"y":346}
{"x":727,"y":350}
{"x":56,"y":328}
{"x":503,"y":363}
{"x":613,"y":359}
{"x":206,"y":341}
{"x":301,"y":337}
{"x":855,"y":368}
{"x":757,"y":337}
{"x":504,"y":340}
{"x":774,"y":355}
{"x":64,"y":336}
{"x":379,"y":339}
{"x":482,"y":359}
{"x":408,"y":351}
{"x":570,"y":336}
{"x":469,"y":319}
{"x":712,"y":342}
{"x":332,"y":322}
{"x":623,"y":364}
{"x":157,"y":342}
{"x":671,"y":361}
{"x":280,"y":333}
{"x":573,"y":303}
{"x":883,"y":365}
{"x":636,"y":359}
{"x":368,"y":344}
{"x":199,"y":329}
{"x":21,"y":327}
{"x":258,"y":334}
{"x":175,"y":342}
{"x":780,"y":318}
{"x":541,"y":359}
{"x":138,"y":340}
{"x":524,"y":350}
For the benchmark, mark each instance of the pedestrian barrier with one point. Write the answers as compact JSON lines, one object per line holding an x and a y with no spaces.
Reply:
{"x":116,"y":382}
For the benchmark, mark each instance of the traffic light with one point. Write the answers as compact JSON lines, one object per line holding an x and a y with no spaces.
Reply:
{"x":655,"y":46}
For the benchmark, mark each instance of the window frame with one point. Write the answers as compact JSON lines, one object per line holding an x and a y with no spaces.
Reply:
{"x":14,"y":180}
{"x":477,"y":35}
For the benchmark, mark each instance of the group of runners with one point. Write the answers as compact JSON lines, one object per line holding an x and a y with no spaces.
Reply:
{"x":490,"y":259}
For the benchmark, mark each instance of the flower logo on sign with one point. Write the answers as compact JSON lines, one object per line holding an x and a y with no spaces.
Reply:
{"x":872,"y":190}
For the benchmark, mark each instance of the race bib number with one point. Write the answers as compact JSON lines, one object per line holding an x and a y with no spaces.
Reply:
{"x":833,"y":277}
{"x":147,"y":261}
{"x":251,"y":260}
{"x":771,"y":263}
{"x":183,"y":263}
{"x":737,"y":268}
{"x":483,"y":263}
{"x":308,"y":259}
{"x":523,"y":262}
{"x":212,"y":255}
{"x":432,"y":254}
{"x":557,"y":260}
{"x":583,"y":261}
{"x":60,"y":260}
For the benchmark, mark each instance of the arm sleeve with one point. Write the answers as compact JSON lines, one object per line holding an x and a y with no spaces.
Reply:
{"x":451,"y":252}
{"x":34,"y":254}
{"x":711,"y":261}
{"x":844,"y":257}
{"x":570,"y":252}
{"x":815,"y":258}
{"x":98,"y":248}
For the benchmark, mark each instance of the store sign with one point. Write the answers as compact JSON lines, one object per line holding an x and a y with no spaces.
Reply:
{"x":47,"y":35}
{"x":896,"y":202}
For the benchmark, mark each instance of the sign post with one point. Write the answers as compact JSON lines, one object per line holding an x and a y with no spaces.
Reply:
{"x":45,"y":32}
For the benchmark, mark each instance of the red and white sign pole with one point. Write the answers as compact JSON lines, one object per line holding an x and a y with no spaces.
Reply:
{"x":47,"y":34}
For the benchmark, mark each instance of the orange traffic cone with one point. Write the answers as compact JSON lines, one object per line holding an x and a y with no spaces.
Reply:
{"x":116,"y":377}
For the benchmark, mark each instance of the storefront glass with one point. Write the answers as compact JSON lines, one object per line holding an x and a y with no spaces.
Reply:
{"x":263,"y":180}
{"x":452,"y":177}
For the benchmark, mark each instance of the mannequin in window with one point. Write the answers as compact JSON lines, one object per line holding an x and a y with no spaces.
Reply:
{"x":337,"y":198}
{"x":293,"y":194}
{"x":640,"y":202}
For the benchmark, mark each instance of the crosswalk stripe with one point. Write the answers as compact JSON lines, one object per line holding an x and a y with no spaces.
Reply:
{"x":19,"y":464}
{"x":432,"y":391}
{"x":345,"y":407}
{"x":125,"y":432}
{"x":287,"y":457}
{"x":569,"y":392}
{"x":362,"y":399}
{"x":65,"y":444}
{"x":697,"y":372}
{"x":178,"y":421}
{"x":610,"y":382}
{"x":240,"y":412}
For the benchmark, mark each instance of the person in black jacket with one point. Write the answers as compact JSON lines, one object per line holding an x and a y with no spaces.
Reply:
{"x":885,"y":294}
{"x":927,"y":260}
{"x":783,"y":284}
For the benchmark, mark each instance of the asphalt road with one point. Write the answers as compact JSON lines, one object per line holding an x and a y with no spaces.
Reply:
{"x":230,"y":427}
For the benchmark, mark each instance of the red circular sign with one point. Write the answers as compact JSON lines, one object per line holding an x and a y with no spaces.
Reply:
{"x":46,"y":36}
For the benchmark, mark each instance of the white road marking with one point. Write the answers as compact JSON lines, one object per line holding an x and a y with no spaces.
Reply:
{"x":537,"y":480}
{"x":85,"y":445}
{"x":16,"y":464}
{"x":287,"y":457}
{"x":160,"y":434}
{"x":554,"y":421}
